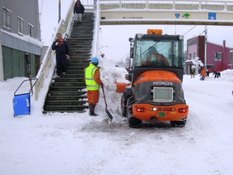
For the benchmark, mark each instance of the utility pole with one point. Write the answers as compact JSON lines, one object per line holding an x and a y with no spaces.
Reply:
{"x":205,"y":59}
{"x":59,"y":10}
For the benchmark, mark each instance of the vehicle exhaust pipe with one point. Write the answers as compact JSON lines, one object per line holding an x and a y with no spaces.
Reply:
{"x":153,"y":119}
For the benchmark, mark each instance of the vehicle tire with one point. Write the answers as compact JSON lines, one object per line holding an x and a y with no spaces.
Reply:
{"x":134,"y":122}
{"x":123,"y":105}
{"x":124,"y":98}
{"x":129,"y":104}
{"x":178,"y":123}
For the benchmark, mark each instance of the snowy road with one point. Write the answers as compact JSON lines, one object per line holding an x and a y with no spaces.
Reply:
{"x":76,"y":144}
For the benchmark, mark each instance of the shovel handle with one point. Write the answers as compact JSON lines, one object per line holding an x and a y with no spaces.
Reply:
{"x":104,"y":96}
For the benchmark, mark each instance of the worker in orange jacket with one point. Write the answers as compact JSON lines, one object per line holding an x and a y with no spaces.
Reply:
{"x":203,"y":73}
{"x":93,"y":83}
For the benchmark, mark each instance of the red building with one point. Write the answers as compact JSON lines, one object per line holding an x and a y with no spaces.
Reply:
{"x":219,"y":57}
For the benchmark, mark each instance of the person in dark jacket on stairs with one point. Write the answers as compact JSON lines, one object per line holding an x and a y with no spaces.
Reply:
{"x":78,"y":11}
{"x":62,"y":52}
{"x":93,"y":83}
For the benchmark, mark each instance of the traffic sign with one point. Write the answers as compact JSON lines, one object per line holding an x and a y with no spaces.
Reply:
{"x":212,"y":16}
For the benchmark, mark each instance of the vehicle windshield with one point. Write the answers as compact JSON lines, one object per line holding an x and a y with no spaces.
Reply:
{"x":167,"y":53}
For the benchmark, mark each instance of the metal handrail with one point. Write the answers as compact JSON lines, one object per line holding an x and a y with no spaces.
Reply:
{"x":200,"y":4}
{"x":47,"y":63}
{"x":31,"y":85}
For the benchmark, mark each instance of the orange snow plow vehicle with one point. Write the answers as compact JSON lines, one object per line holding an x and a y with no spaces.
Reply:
{"x":156,"y":74}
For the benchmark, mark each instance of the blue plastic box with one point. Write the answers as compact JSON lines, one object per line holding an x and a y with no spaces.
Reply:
{"x":22,"y":105}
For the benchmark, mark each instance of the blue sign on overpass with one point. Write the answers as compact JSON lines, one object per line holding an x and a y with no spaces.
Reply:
{"x":212,"y":16}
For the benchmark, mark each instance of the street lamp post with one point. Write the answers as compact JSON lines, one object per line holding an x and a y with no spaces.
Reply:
{"x":205,"y":56}
{"x":59,"y":10}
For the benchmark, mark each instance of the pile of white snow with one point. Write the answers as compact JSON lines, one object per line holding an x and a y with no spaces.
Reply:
{"x":76,"y":143}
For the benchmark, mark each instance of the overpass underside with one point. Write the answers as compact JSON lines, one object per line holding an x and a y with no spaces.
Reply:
{"x":210,"y":12}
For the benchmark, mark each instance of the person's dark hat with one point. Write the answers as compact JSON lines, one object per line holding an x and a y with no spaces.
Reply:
{"x":153,"y":50}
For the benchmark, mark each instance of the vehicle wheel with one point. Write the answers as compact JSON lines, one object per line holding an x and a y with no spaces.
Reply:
{"x":130,"y":101}
{"x":123,"y":105}
{"x":124,"y":98}
{"x":134,"y":122}
{"x":178,"y":123}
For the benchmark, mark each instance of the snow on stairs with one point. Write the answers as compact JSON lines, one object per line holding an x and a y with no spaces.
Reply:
{"x":67,"y":93}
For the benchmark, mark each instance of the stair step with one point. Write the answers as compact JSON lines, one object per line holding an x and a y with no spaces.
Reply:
{"x":74,"y":47}
{"x":80,"y":58}
{"x":68,"y":79}
{"x":79,"y":72}
{"x":68,"y":97}
{"x":64,"y":108}
{"x":68,"y":84}
{"x":64,"y":88}
{"x":65,"y":102}
{"x":72,"y":76}
{"x":78,"y":64}
{"x":68,"y":93}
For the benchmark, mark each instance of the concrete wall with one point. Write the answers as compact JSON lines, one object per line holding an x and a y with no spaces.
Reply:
{"x":28,"y":10}
{"x":196,"y":46}
{"x":218,"y":65}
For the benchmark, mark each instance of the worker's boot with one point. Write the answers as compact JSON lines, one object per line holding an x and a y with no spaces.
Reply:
{"x":92,"y":110}
{"x":94,"y":114}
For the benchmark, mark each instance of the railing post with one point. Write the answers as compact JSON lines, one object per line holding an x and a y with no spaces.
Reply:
{"x":147,"y":3}
{"x":47,"y":62}
{"x":174,"y":5}
{"x":120,"y":4}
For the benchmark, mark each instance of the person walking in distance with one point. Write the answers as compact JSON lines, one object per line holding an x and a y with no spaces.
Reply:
{"x":192,"y":72}
{"x":93,"y":83}
{"x":78,"y":11}
{"x":203,"y":73}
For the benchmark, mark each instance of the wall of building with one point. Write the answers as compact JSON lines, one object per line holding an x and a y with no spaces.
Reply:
{"x":196,"y":47}
{"x":19,"y":46}
{"x":28,"y":10}
{"x":216,"y":64}
{"x":16,"y":63}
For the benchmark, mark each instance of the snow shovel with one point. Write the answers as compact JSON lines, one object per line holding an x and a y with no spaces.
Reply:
{"x":106,"y":107}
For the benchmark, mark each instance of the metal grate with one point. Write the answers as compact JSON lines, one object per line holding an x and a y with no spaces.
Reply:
{"x":162,"y":94}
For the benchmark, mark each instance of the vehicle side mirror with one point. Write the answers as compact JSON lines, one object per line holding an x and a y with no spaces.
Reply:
{"x":128,"y":77}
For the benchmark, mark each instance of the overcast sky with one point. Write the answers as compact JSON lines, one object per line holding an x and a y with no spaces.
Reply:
{"x":49,"y":17}
{"x":117,"y":36}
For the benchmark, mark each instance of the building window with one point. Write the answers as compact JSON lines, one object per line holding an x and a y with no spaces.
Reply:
{"x":31,"y":30}
{"x":20,"y":25}
{"x":218,"y":56}
{"x":6,"y":18}
{"x":190,"y":56}
{"x":194,"y":55}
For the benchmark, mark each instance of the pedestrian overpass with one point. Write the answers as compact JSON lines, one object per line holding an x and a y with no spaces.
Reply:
{"x":208,"y":12}
{"x":130,"y":12}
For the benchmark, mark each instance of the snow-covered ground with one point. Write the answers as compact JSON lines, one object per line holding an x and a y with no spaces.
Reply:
{"x":78,"y":144}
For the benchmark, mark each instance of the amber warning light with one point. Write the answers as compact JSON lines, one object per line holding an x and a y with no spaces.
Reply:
{"x":154,"y":31}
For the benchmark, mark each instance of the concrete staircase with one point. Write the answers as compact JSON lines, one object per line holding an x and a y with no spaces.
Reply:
{"x":67,"y":93}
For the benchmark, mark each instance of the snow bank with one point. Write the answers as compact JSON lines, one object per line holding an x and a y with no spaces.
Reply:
{"x":227,"y":75}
